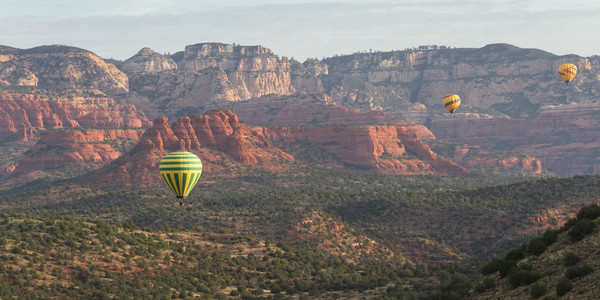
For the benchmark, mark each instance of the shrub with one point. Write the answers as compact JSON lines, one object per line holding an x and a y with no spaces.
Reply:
{"x":498,"y":265}
{"x":571,"y":259}
{"x":550,"y":237}
{"x":537,"y":290}
{"x":589,"y":212}
{"x":536,"y":246}
{"x":581,"y":229}
{"x":519,"y":277}
{"x":516,"y":254}
{"x":491,"y":267}
{"x":578,"y":271}
{"x":485,"y":285}
{"x":563,"y":286}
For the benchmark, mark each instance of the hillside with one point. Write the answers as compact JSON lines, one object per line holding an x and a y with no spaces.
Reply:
{"x":562,"y":262}
{"x":68,"y":257}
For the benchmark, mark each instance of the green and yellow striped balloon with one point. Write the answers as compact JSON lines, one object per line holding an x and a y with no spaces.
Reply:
{"x":181,"y":170}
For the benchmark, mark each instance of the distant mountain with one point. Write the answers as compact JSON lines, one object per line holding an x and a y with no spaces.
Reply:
{"x":512,"y":98}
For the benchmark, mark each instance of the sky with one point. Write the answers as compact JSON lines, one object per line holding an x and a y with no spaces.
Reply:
{"x":300,"y":29}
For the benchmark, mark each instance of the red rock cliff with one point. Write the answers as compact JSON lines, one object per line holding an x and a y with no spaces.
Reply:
{"x":74,"y":149}
{"x":23,"y":114}
{"x":390,"y":149}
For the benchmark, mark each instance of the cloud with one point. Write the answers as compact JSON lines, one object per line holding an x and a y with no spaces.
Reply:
{"x":310,"y":29}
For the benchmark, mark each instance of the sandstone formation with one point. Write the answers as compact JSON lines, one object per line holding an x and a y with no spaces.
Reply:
{"x":147,"y":61}
{"x":500,"y":78}
{"x":565,"y":138}
{"x":21,"y":115}
{"x":214,"y":73}
{"x":302,"y":108}
{"x":60,"y":66}
{"x":221,"y":141}
{"x":490,"y":160}
{"x":389,"y":149}
{"x":227,"y":147}
{"x":503,"y":89}
{"x":75,"y":150}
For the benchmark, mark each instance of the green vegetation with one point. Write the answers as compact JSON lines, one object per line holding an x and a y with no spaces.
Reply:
{"x":70,"y":257}
{"x":368,"y":218}
{"x":528,"y":264}
{"x":537,"y":290}
{"x":563,"y":286}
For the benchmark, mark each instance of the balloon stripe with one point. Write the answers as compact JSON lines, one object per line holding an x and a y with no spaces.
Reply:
{"x":189,"y":187}
{"x":178,"y":182}
{"x":184,"y":183}
{"x":168,"y":182}
{"x":450,"y":103}
{"x":195,"y":180}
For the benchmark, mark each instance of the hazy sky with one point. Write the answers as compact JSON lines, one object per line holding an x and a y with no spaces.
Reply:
{"x":300,"y":28}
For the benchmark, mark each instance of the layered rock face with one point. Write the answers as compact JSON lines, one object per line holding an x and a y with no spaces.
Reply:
{"x":21,"y":115}
{"x":501,"y":78}
{"x":512,"y":98}
{"x":147,"y":61}
{"x":221,"y":130}
{"x":389,"y":149}
{"x":565,"y":138}
{"x":482,"y":159}
{"x":227,"y":147}
{"x":60,"y":66}
{"x":221,"y":141}
{"x":301,"y":109}
{"x":210,"y":73}
{"x":76,"y":150}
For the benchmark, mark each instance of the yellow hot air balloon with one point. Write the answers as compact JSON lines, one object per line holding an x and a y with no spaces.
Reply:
{"x":567,"y":72}
{"x":181,"y":170}
{"x":451,"y":102}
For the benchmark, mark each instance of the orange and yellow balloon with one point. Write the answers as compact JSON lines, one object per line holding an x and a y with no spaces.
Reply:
{"x":567,"y":72}
{"x":451,"y":102}
{"x":181,"y":170}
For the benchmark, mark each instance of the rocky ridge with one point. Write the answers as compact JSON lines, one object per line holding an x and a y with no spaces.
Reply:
{"x":214,"y":73}
{"x":147,"y":61}
{"x":60,"y":66}
{"x":75,"y":149}
{"x":23,"y":115}
{"x":227,"y":146}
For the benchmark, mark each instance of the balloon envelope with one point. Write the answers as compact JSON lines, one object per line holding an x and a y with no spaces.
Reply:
{"x":567,"y":72}
{"x":451,"y":102}
{"x":181,"y":170}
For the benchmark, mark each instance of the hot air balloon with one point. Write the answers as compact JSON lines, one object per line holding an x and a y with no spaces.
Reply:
{"x":452,"y":102}
{"x":181,"y":170}
{"x":567,"y":72}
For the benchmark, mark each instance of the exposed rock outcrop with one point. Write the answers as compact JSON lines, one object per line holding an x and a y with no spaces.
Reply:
{"x":302,"y":108}
{"x":60,"y":66}
{"x":147,"y":61}
{"x":396,"y":149}
{"x":501,"y":78}
{"x":564,"y":137}
{"x":74,"y":150}
{"x":23,"y":114}
{"x":214,"y":73}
